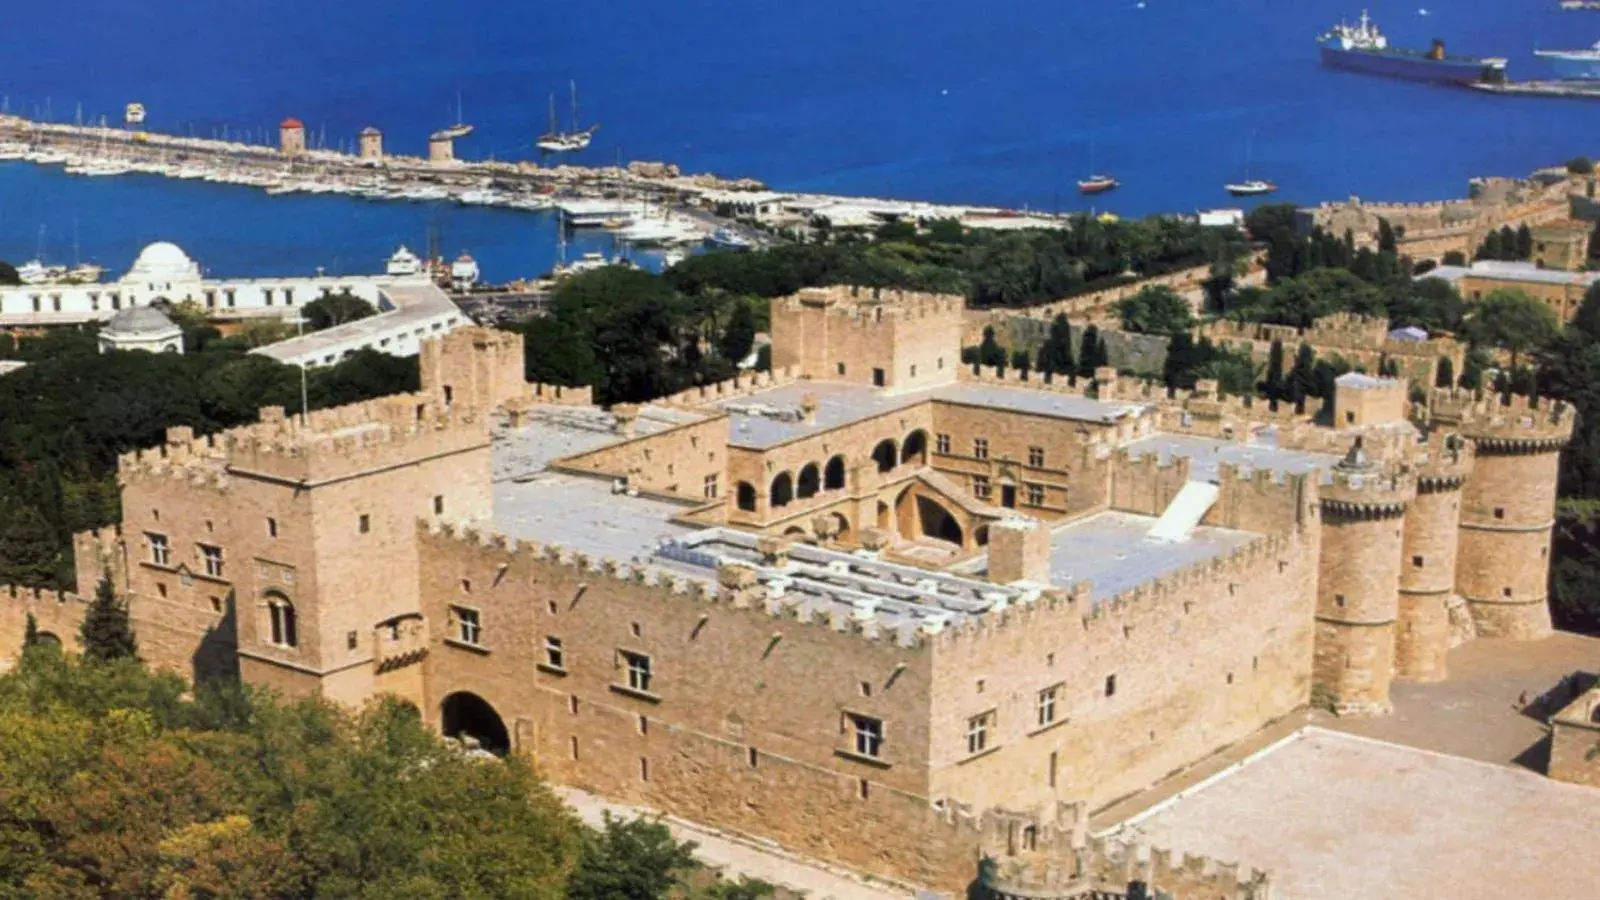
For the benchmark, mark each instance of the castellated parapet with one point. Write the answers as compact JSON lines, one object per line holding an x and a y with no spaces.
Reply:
{"x":1359,"y":581}
{"x":896,"y":340}
{"x":1507,"y":506}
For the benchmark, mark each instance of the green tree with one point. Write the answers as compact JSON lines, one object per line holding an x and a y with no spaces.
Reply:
{"x":1175,"y":371}
{"x":1524,"y":242}
{"x":1301,"y":382}
{"x":1155,"y":310}
{"x":107,"y":632}
{"x":1273,"y":387}
{"x":633,"y":859}
{"x":1444,"y":374}
{"x":1580,"y":165}
{"x":336,"y":309}
{"x":30,"y":632}
{"x":740,"y":334}
{"x":1490,"y":248}
{"x":1512,"y":321}
{"x":1386,"y":237}
{"x":1055,"y":357}
{"x":8,"y":275}
{"x":1587,"y":320}
{"x":1472,"y":368}
{"x":1091,"y":352}
{"x":990,"y":353}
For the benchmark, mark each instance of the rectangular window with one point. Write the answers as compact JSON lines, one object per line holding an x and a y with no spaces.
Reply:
{"x":1047,"y":705}
{"x":272,"y":527}
{"x":213,"y":558}
{"x":980,"y":448}
{"x":1035,"y":495}
{"x":554,"y":656}
{"x":1111,"y":685}
{"x":877,"y":378}
{"x":438,"y":504}
{"x":469,"y":628}
{"x":160,"y":551}
{"x":638,"y":671}
{"x":351,"y":640}
{"x":941,"y":444}
{"x":867,"y":735}
{"x":980,"y":487}
{"x":978,"y":732}
{"x":1036,"y":457}
{"x":711,"y":487}
{"x":365,"y":523}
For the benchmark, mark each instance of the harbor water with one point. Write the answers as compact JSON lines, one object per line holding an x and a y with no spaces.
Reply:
{"x":930,"y":99}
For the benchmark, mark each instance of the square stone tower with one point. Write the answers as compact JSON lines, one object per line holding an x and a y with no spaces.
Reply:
{"x":292,"y":137}
{"x":1563,"y":246}
{"x":371,"y":143}
{"x":889,"y":339}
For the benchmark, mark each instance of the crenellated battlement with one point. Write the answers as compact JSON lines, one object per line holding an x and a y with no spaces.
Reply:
{"x":736,"y":587}
{"x":1361,"y":487}
{"x":1501,"y":425}
{"x":867,"y":307}
{"x":39,"y":596}
{"x":1442,"y":461}
{"x":740,"y":385}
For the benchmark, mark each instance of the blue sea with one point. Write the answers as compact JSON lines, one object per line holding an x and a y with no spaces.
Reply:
{"x":1004,"y":103}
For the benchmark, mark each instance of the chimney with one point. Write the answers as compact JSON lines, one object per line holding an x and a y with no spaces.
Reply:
{"x":808,"y":407}
{"x":1019,"y":550}
{"x":627,"y":417}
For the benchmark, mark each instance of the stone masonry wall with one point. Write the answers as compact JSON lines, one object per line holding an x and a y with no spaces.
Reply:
{"x":1507,"y":511}
{"x":675,"y":462}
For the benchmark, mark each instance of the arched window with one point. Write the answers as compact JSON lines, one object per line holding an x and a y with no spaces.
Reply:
{"x":782,"y":489}
{"x":808,"y":482}
{"x":833,"y":474}
{"x":745,"y":494}
{"x":282,"y":628}
{"x":884,"y":454}
{"x":915,"y":448}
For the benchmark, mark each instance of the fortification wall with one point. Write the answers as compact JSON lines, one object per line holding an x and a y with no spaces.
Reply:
{"x":1174,"y":669}
{"x":57,"y":614}
{"x":744,"y":723}
{"x":894,"y":339}
{"x":1114,"y":864}
{"x":1575,"y":741}
{"x":1423,"y":632}
{"x":741,"y":385}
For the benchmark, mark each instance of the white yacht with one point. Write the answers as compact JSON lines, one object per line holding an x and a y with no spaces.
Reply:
{"x":557,"y":141}
{"x":134,"y":114}
{"x":403,"y":263}
{"x":595,"y":212}
{"x":35,"y":272}
{"x":464,"y":272}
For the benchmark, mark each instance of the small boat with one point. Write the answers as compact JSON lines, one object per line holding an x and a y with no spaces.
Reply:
{"x":557,"y":141}
{"x":1255,"y":187}
{"x":1575,"y":64}
{"x":134,"y":114}
{"x":1098,"y":184}
{"x":459,"y":130}
{"x":729,"y":240}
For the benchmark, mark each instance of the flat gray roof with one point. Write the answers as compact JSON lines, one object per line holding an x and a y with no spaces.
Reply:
{"x":1111,"y":550}
{"x":1333,"y":816}
{"x":1511,"y":271}
{"x":1205,"y":453}
{"x":552,"y":432}
{"x":582,"y":513}
{"x":409,"y":306}
{"x":772,"y":416}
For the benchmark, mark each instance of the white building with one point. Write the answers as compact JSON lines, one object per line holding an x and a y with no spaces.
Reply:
{"x":141,"y":328}
{"x":410,"y":307}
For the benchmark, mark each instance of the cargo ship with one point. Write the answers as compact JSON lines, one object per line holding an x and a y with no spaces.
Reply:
{"x":1363,"y":48}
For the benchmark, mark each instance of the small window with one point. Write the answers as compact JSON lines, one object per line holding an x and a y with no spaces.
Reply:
{"x":878,"y":378}
{"x":978,"y":732}
{"x":554,"y":656}
{"x":1505,"y":592}
{"x":283,"y":628}
{"x":941,"y":444}
{"x":1338,"y":600}
{"x":364,"y":524}
{"x":438,"y":504}
{"x":161,"y":589}
{"x":574,"y":744}
{"x":272,"y":527}
{"x":980,"y":448}
{"x":863,"y":789}
{"x":469,"y":627}
{"x":351,"y":640}
{"x":213,"y":560}
{"x":572,"y":704}
{"x":980,"y":685}
{"x":980,"y":487}
{"x":752,"y":756}
{"x":1349,"y":417}
{"x":866,"y":688}
{"x":1416,"y":561}
{"x":553,"y":607}
{"x":710,"y":487}
{"x":841,"y":368}
{"x":644,"y":725}
{"x":1036,"y":457}
{"x":639,"y":675}
{"x":635,"y":629}
{"x":160,"y":550}
{"x":1035,"y":495}
{"x":913,"y":370}
{"x":867,"y":734}
{"x":1047,"y":705}
{"x":1499,"y":512}
{"x":210,"y":527}
{"x":644,"y":769}
{"x":1111,"y":685}
{"x":466,"y":585}
{"x":216,"y":604}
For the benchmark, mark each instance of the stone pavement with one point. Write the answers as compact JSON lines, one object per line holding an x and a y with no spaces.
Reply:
{"x":735,"y":855}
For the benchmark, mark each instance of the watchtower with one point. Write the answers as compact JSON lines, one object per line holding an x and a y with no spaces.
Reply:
{"x":889,"y":339}
{"x":1507,"y":506}
{"x":441,"y":148}
{"x":1428,"y":569}
{"x":291,"y":137}
{"x":1563,"y":246}
{"x":1358,"y":583}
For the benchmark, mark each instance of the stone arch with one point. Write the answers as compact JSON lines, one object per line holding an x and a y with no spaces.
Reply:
{"x":885,"y":454}
{"x":980,"y":535}
{"x":934,"y":521}
{"x":833,"y":474}
{"x":745,"y":496}
{"x":841,"y":526}
{"x":283,"y":623}
{"x":48,"y":639}
{"x":797,"y":532}
{"x":915,"y":448}
{"x":809,"y":482}
{"x":1594,"y":714}
{"x":782,"y":489}
{"x":465,"y":714}
{"x":885,"y":516}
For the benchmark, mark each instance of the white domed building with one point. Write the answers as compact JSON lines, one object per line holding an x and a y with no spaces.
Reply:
{"x":163,"y":268}
{"x":141,"y":328}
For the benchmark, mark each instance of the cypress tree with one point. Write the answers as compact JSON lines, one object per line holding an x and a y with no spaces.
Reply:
{"x":1180,"y":359}
{"x":1273,"y":388}
{"x":30,"y":633}
{"x":990,"y":353}
{"x":107,"y":632}
{"x":1386,"y":241}
{"x":1087,"y":351}
{"x":1056,"y":355}
{"x":1445,"y":375}
{"x":1524,"y":242}
{"x":1490,"y":248}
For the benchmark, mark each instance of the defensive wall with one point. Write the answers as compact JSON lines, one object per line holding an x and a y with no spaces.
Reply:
{"x":1362,"y":341}
{"x":1575,"y":740}
{"x":895,"y":340}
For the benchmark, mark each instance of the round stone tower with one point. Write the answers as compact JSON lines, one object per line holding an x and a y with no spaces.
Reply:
{"x":1358,"y":583}
{"x":1507,"y":508}
{"x":1428,"y":564}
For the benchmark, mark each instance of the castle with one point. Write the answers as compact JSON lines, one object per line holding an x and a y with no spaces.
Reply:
{"x":875,"y":606}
